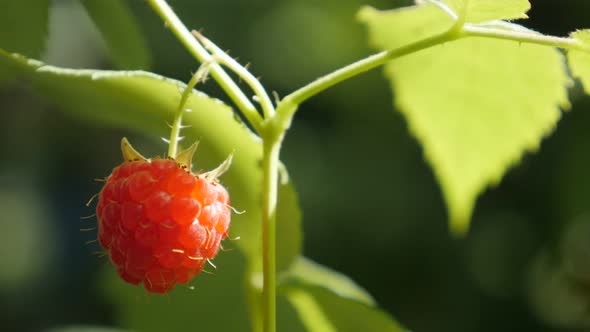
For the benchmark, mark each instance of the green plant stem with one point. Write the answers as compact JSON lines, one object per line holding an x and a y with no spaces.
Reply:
{"x":270,"y":169}
{"x":461,"y":16}
{"x":470,"y":30}
{"x":177,"y":123}
{"x":201,"y":54}
{"x":446,"y":9}
{"x":293,"y":100}
{"x":271,"y":148}
{"x":299,"y":96}
{"x":242,"y":72}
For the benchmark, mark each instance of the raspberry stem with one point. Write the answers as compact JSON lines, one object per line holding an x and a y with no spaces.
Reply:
{"x":199,"y":76}
{"x":270,"y":169}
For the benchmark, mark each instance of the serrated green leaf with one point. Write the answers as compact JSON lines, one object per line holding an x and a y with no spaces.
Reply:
{"x":427,"y":19}
{"x":579,"y":61}
{"x":23,"y":29}
{"x":491,"y":10}
{"x":411,"y":24}
{"x":327,"y":301}
{"x":121,"y":32}
{"x":476,"y":105}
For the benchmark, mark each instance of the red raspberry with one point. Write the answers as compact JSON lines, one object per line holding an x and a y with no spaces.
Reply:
{"x":159,"y":221}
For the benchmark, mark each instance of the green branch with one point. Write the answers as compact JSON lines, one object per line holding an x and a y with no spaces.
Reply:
{"x":242,"y":72}
{"x":270,"y":169}
{"x":199,"y":76}
{"x":525,"y":36}
{"x":293,"y":100}
{"x":201,"y":54}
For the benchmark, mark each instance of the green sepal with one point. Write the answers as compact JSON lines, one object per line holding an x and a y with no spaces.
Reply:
{"x":185,"y":157}
{"x":129,"y":153}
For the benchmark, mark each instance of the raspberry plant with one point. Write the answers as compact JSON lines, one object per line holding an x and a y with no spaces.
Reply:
{"x":461,"y":73}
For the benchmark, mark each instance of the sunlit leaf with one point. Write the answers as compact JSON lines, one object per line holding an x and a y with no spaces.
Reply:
{"x":124,"y":39}
{"x":489,"y":10}
{"x":327,"y":301}
{"x":410,"y":24}
{"x":476,"y":105}
{"x":579,"y":61}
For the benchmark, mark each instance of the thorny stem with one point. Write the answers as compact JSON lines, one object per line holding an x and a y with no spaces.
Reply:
{"x":200,"y":53}
{"x":175,"y":138}
{"x":458,"y":31}
{"x":270,"y":169}
{"x":270,"y":151}
{"x":528,"y":37}
{"x":233,"y":65}
{"x":290,"y":103}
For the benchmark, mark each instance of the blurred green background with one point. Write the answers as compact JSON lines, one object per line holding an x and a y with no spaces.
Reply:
{"x":372,"y":208}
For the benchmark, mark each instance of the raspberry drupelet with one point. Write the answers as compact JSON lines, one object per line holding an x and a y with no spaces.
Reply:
{"x":159,"y":221}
